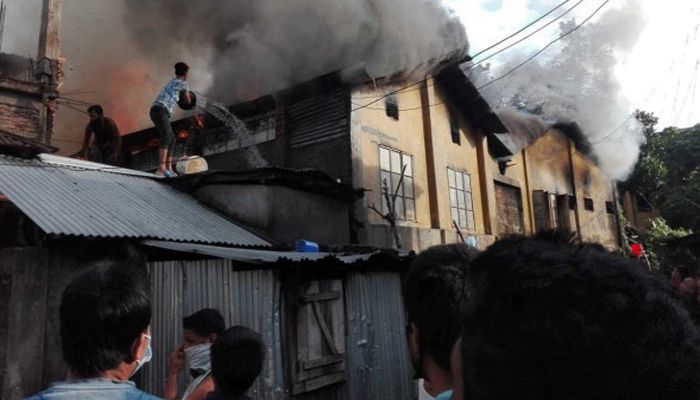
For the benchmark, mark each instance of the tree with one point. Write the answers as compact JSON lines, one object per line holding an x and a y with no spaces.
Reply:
{"x":668,"y":172}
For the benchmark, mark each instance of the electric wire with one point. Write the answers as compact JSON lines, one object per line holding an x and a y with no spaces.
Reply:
{"x":473,"y":65}
{"x":403,"y":89}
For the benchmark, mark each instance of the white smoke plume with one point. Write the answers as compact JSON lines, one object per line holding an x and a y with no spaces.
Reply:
{"x":579,"y":84}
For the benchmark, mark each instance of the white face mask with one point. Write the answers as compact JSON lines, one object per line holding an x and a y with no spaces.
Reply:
{"x":146,"y":357}
{"x":198,"y":359}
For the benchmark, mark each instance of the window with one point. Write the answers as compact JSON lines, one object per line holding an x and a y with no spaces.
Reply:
{"x":609,"y":207}
{"x":259,"y":129}
{"x":588,"y":204}
{"x":392,"y":107}
{"x":572,"y":202}
{"x":454,"y":128}
{"x":319,"y":357}
{"x":461,"y":204}
{"x":390,"y":164}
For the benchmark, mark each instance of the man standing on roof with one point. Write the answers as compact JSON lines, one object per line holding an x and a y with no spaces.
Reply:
{"x":162,"y":110}
{"x":102,"y":141}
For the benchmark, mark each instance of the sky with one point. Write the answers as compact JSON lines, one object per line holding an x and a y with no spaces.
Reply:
{"x":660,"y":74}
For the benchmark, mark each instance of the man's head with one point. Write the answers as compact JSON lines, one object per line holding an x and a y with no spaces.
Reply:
{"x":434,"y":295}
{"x":105,"y":315}
{"x":202,"y":327}
{"x":236,"y":360}
{"x":95,"y":112}
{"x":549,"y":320}
{"x":181,"y":69}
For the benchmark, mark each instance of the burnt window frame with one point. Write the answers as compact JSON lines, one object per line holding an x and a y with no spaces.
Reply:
{"x":610,"y":207}
{"x":467,"y":197}
{"x":391,"y":107}
{"x":406,"y":198}
{"x":588,"y":204}
{"x":454,"y":127}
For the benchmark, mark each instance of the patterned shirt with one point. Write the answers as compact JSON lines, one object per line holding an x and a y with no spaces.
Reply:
{"x":93,"y":389}
{"x":170,"y":94}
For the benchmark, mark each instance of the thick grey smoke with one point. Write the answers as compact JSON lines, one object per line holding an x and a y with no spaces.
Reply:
{"x":578,"y":83}
{"x":257,"y":47}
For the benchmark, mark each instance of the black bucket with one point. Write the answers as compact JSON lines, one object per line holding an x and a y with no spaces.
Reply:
{"x":182,"y":104}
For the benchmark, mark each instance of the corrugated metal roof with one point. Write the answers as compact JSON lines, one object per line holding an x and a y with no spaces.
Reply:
{"x":76,"y":198}
{"x":253,"y":256}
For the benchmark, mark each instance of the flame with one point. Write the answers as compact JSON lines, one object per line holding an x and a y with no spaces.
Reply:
{"x":128,"y":96}
{"x":198,"y":121}
{"x":183,"y":134}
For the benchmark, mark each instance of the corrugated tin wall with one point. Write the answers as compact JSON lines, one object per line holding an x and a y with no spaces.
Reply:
{"x":249,"y":298}
{"x":318,"y":119}
{"x":379,"y":366}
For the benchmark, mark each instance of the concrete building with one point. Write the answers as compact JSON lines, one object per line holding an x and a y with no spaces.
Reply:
{"x":29,"y":87}
{"x":464,"y":178}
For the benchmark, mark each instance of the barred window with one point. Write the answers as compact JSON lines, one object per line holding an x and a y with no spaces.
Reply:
{"x":390,"y":164}
{"x":461,"y":203}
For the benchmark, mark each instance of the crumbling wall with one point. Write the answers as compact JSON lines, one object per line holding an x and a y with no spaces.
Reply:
{"x":20,"y":114}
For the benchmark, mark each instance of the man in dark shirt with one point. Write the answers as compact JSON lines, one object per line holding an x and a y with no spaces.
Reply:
{"x":106,"y":146}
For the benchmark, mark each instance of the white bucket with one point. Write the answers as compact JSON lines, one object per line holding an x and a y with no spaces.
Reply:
{"x":191,"y":165}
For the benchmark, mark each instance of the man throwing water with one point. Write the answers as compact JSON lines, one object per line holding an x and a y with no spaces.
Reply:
{"x":162,"y":110}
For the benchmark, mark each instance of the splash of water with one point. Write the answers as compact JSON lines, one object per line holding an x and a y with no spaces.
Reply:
{"x":236,"y":129}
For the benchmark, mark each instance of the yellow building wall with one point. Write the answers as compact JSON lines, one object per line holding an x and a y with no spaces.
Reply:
{"x":544,"y":165}
{"x":515,"y":175}
{"x":460,"y":157}
{"x":591,"y":182}
{"x":370,"y":128}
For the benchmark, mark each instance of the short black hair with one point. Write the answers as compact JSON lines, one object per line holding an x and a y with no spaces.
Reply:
{"x":549,"y":320}
{"x":96,"y":108}
{"x":102,"y":313}
{"x":434,"y":296}
{"x":205,"y":322}
{"x":181,"y":68}
{"x":237,"y":358}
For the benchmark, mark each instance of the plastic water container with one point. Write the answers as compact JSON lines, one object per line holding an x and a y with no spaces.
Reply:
{"x":306,"y":246}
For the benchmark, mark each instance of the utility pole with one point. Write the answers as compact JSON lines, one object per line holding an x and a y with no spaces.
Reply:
{"x":3,"y":10}
{"x":48,"y":70}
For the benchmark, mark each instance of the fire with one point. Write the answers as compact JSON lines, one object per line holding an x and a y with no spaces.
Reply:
{"x":183,"y":134}
{"x":198,"y":120}
{"x":129,"y":95}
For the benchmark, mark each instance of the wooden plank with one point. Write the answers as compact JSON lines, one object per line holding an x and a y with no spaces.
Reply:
{"x":327,"y":335}
{"x":324,"y":296}
{"x":315,"y":384}
{"x":322,"y":362}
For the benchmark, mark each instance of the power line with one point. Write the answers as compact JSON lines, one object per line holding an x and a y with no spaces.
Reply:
{"x":526,"y":37}
{"x":403,"y":89}
{"x":545,"y":47}
{"x":522,"y":29}
{"x":498,"y":78}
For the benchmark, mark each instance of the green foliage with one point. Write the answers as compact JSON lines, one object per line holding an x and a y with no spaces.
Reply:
{"x":662,"y":256}
{"x":668,"y":172}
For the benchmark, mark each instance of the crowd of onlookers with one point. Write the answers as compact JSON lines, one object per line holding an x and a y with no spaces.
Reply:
{"x":528,"y":318}
{"x":688,"y":289}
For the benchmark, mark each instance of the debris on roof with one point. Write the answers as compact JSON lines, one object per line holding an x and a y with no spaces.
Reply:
{"x":20,"y":146}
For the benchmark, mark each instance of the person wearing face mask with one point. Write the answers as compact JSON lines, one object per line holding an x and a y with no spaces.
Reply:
{"x":105,"y":317}
{"x":200,"y":330}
